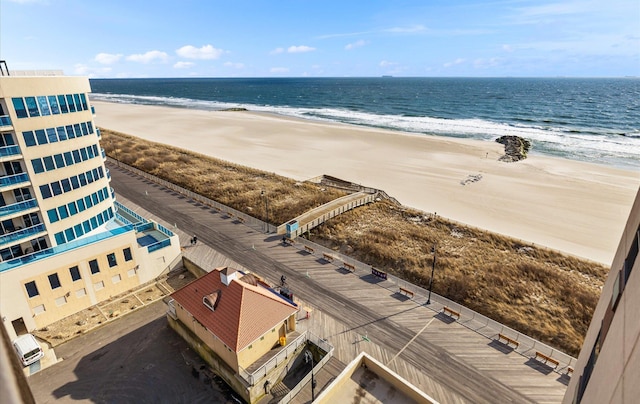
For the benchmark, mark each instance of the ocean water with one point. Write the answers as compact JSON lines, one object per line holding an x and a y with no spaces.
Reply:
{"x":595,"y":120}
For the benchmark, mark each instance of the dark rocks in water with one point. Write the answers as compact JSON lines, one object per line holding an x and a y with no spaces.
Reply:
{"x":515,"y":148}
{"x":234,"y":109}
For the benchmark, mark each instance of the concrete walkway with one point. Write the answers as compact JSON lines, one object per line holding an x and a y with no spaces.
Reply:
{"x":354,"y":311}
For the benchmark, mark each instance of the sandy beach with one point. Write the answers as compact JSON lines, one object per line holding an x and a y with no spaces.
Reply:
{"x":575,"y":207}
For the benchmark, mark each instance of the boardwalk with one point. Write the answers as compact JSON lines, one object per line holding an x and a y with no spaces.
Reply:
{"x":354,"y":311}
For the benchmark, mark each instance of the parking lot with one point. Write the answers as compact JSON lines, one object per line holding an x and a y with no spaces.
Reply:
{"x":136,"y":359}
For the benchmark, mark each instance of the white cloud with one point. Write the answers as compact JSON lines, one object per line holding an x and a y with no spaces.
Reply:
{"x":276,"y":51}
{"x":455,"y":62}
{"x":107,"y":58}
{"x":386,"y":63}
{"x":183,"y":65}
{"x":205,"y":52}
{"x":486,"y":63}
{"x":407,"y":30}
{"x":300,"y":49}
{"x":84,"y":70}
{"x":149,"y":57}
{"x":235,"y":65}
{"x":279,"y":70}
{"x":354,"y":45}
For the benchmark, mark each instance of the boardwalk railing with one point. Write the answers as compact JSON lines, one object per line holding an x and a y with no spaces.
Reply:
{"x":470,"y":319}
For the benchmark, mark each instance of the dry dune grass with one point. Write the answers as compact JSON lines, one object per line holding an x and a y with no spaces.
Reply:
{"x":542,"y":293}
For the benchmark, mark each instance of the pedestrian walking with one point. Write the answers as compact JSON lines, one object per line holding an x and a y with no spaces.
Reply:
{"x":195,"y":239}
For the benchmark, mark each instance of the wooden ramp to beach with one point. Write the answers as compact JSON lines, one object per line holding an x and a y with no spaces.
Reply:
{"x":321,"y":214}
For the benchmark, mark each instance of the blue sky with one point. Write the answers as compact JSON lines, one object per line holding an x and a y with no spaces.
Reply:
{"x":295,"y":38}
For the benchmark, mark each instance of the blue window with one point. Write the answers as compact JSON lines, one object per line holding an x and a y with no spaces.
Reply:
{"x":87,"y":226}
{"x":87,"y":201}
{"x":75,"y":184}
{"x":90,"y":127}
{"x":76,"y":128}
{"x":72,"y":106}
{"x":90,"y":152}
{"x":89,"y":177}
{"x":78,"y":230}
{"x":75,"y":273}
{"x":94,"y":223}
{"x":59,"y":160}
{"x":18,"y":105}
{"x":63,"y":104}
{"x":83,"y":100}
{"x":66,"y":185}
{"x":76,"y":98}
{"x":76,"y":156}
{"x":83,"y":153}
{"x":100,"y":219}
{"x":95,"y":150}
{"x":44,"y":105}
{"x":45,"y":191}
{"x":72,"y":208}
{"x":56,"y":188}
{"x":63,"y":212}
{"x":83,"y":179}
{"x":32,"y":106}
{"x":70,"y":133}
{"x":69,"y":234}
{"x":51,"y":135}
{"x":37,"y":165}
{"x":53,"y":103}
{"x":81,"y":206}
{"x":68,"y":159}
{"x":41,"y":136}
{"x":101,"y":172}
{"x":127,"y":254}
{"x":53,"y":215}
{"x":60,"y":238}
{"x":94,"y":197}
{"x":48,"y":163}
{"x":62,"y":134}
{"x":29,"y":139}
{"x":85,"y":130}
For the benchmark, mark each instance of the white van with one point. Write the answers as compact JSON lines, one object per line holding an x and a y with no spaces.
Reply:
{"x":28,"y":349}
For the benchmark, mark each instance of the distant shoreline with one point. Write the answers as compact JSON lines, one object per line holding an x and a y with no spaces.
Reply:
{"x":576,"y":207}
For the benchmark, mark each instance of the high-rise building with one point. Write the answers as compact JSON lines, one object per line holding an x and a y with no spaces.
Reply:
{"x":608,"y":367}
{"x":65,"y":242}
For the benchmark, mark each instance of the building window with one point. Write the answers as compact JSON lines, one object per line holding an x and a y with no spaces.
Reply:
{"x":53,"y":102}
{"x":45,"y":191}
{"x":53,"y":215}
{"x":41,"y":136}
{"x":32,"y":289}
{"x":81,"y":292}
{"x":93,"y":264}
{"x":37,"y":165}
{"x":127,"y":254}
{"x":75,"y":273}
{"x":48,"y":163}
{"x":63,"y":104}
{"x":39,"y":309}
{"x":111,"y":258}
{"x":54,"y":281}
{"x":61,"y":301}
{"x":29,"y":139}
{"x":116,"y":278}
{"x":98,"y":285}
{"x":32,"y":106}
{"x":18,"y":105}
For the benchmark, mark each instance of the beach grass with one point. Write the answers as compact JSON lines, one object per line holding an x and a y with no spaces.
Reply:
{"x":540,"y":292}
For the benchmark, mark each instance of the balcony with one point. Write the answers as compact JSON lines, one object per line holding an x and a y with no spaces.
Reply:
{"x":5,"y":123}
{"x":113,"y":193}
{"x":50,"y":252}
{"x":13,"y":180}
{"x":19,"y":207}
{"x":108,"y":174}
{"x":29,"y":232}
{"x":93,"y":110}
{"x":98,"y":133}
{"x":9,"y":151}
{"x":104,"y":155}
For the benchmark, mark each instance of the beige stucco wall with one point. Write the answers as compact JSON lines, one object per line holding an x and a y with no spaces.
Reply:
{"x":260,"y":346}
{"x":617,"y":370}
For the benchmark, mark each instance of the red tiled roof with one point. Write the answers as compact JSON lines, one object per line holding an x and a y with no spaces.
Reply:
{"x":244,"y":311}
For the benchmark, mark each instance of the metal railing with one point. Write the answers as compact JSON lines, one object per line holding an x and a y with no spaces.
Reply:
{"x":22,"y":233}
{"x":14,"y":179}
{"x":18,"y":207}
{"x":9,"y":151}
{"x":159,"y":245}
{"x":5,"y":120}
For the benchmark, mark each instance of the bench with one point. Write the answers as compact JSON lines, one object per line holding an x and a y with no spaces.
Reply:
{"x":229,"y":214}
{"x":569,"y":371}
{"x":547,"y":359}
{"x":289,"y":240}
{"x":508,"y":340}
{"x":328,"y":257}
{"x":240,"y":219}
{"x":308,"y":249}
{"x":350,"y":267}
{"x":406,"y":292}
{"x":451,"y":312}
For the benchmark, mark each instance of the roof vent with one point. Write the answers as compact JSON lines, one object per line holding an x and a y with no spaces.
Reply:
{"x":227,"y":275}
{"x":212,"y":300}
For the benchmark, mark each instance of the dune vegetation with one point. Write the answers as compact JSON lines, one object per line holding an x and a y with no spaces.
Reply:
{"x":540,"y":292}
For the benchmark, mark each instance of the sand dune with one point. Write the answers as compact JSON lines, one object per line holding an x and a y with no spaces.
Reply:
{"x":571,"y":206}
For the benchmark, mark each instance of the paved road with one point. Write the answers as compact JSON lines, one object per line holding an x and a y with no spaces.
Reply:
{"x":450,"y":371}
{"x":137,"y":359}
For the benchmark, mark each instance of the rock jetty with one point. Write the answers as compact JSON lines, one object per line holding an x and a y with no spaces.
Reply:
{"x":515,"y":148}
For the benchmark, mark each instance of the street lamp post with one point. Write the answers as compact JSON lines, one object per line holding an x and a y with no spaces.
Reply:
{"x":309,"y":356}
{"x":266,"y":208}
{"x":433,"y":268}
